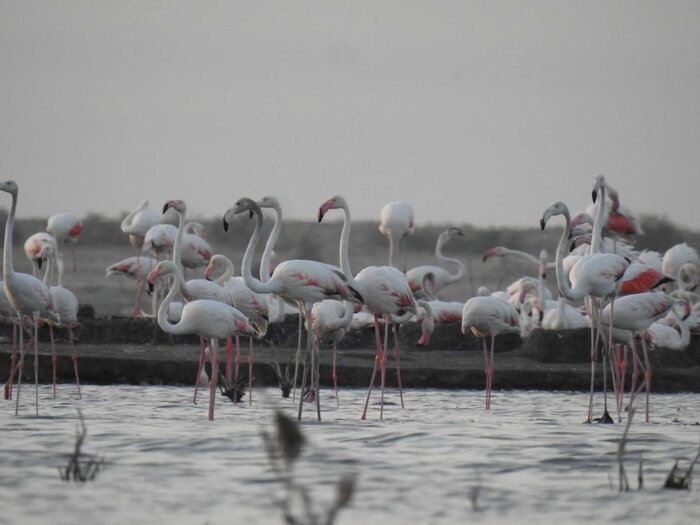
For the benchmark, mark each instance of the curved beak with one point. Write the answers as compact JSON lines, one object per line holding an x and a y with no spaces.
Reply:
{"x":323,"y":209}
{"x":39,"y":262}
{"x":542,"y":223}
{"x":225,"y":225}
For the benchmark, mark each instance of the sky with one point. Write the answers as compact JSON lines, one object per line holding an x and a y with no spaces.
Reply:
{"x":473,"y":112}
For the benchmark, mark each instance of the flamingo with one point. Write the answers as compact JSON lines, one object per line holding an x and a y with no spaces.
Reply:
{"x":640,"y":277}
{"x":396,"y":223}
{"x":301,"y":282}
{"x":159,"y":239}
{"x":436,"y":312}
{"x":596,"y":275}
{"x":29,"y":296}
{"x":37,"y":248}
{"x":212,"y":320}
{"x":330,"y":321}
{"x":137,"y":268}
{"x":502,"y":251}
{"x":137,"y":223}
{"x":677,"y":256}
{"x":253,"y":305}
{"x":196,"y":251}
{"x":688,"y":280}
{"x":441,"y":277}
{"x":384,"y":289}
{"x":65,"y":227}
{"x":488,"y":317}
{"x":636,"y":313}
{"x":662,"y":335}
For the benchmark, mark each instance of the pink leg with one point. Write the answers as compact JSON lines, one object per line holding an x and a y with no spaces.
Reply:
{"x":377,"y":359}
{"x":335,"y":378}
{"x":397,"y":358}
{"x":213,"y":382}
{"x":647,"y":375}
{"x":635,"y":375}
{"x":54,"y":359}
{"x":614,"y":357}
{"x":385,"y":355}
{"x":486,"y":370}
{"x":137,"y":306}
{"x":13,"y":359}
{"x":36,"y":362}
{"x":236,"y":364}
{"x":251,"y":358}
{"x":202,"y":357}
{"x":74,"y":357}
{"x":229,"y":359}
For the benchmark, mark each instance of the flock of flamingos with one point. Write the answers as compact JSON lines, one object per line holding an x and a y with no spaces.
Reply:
{"x":631,"y":300}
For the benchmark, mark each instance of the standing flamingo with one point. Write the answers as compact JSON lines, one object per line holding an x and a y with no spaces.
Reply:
{"x":596,"y":275}
{"x":676,"y":256}
{"x":301,"y":282}
{"x":396,"y":223}
{"x":441,"y":277}
{"x":137,"y":223}
{"x":488,"y":317}
{"x":137,"y":268}
{"x":212,"y":320}
{"x":37,"y":248}
{"x":65,"y":227}
{"x":636,"y":313}
{"x":384,"y":289}
{"x":29,"y":296}
{"x":330,"y":321}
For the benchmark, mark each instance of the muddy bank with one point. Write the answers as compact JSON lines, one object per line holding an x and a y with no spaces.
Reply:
{"x":134,"y":351}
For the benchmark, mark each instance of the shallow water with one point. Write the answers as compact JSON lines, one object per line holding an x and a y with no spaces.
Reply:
{"x":530,"y":458}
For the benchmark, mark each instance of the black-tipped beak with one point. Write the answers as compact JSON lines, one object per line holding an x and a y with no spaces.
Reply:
{"x":225,"y":225}
{"x":250,"y":214}
{"x":319,"y":215}
{"x":39,"y":262}
{"x":594,"y":195}
{"x":150,"y":288}
{"x":483,"y":259}
{"x":542,"y":224}
{"x":165,"y":207}
{"x":541,"y":316}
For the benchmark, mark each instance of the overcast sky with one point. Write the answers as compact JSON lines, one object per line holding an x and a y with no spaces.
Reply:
{"x":479,"y":112}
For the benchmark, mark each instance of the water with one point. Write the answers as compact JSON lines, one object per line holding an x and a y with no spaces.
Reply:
{"x":530,"y":459}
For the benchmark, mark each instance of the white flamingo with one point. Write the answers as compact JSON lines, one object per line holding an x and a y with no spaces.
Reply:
{"x":441,"y":277}
{"x":396,"y":223}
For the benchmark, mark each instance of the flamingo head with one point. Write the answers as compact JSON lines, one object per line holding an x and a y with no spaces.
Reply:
{"x":556,"y":208}
{"x":9,"y":186}
{"x":211,"y":268}
{"x":162,"y":268}
{"x":496,"y":251}
{"x":331,"y":204}
{"x":269,"y":202}
{"x":241,"y":206}
{"x":178,"y":205}
{"x":598,"y":183}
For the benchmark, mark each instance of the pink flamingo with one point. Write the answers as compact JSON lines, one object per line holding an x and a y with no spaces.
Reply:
{"x":137,"y":268}
{"x":137,"y":223}
{"x":300,"y":282}
{"x":65,"y":227}
{"x":384,"y":289}
{"x":212,"y":320}
{"x":37,"y":248}
{"x":636,"y":313}
{"x":441,"y":277}
{"x":436,"y":312}
{"x":596,"y":275}
{"x":396,"y":223}
{"x":29,"y":296}
{"x":489,"y":317}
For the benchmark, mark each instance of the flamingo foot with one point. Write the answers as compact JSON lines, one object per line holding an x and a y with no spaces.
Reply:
{"x":606,"y":419}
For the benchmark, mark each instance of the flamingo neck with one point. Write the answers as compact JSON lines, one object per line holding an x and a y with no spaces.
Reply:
{"x":562,"y":279}
{"x":177,"y":246}
{"x":598,"y":223}
{"x":392,"y":248}
{"x":343,"y":249}
{"x":228,"y":271}
{"x":7,"y":268}
{"x":165,"y":325}
{"x":270,"y":244}
{"x":251,"y":282}
{"x":460,"y":265}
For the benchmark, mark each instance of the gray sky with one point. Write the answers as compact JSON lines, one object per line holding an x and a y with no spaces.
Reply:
{"x":480,"y":112}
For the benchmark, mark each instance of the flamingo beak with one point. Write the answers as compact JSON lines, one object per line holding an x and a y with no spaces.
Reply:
{"x":594,"y":195}
{"x":542,"y":223}
{"x":39,"y":262}
{"x":167,"y":206}
{"x":225,"y":225}
{"x":323,"y":209}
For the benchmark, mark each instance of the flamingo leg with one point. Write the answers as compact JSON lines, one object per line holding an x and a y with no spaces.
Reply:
{"x":36,"y":361}
{"x":647,"y":375}
{"x":137,"y":305}
{"x":13,"y":359}
{"x":229,"y":359}
{"x":251,"y":358}
{"x":397,"y":359}
{"x":202,"y":357}
{"x":54,"y":359}
{"x":383,"y":371}
{"x":606,"y":349}
{"x":317,"y":350}
{"x":297,"y":355}
{"x":74,"y":358}
{"x":595,"y":336}
{"x":334,"y":376}
{"x":377,"y":359}
{"x":308,"y":372}
{"x":213,"y":382}
{"x":623,"y":373}
{"x":236,"y":363}
{"x":635,"y":375}
{"x":486,"y":371}
{"x":491,"y":367}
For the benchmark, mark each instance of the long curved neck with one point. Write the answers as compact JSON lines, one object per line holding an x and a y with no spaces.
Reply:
{"x":126,"y":221}
{"x":562,"y":278}
{"x":598,"y":223}
{"x":7,"y":268}
{"x":392,"y":248}
{"x":163,"y":322}
{"x":344,"y":242}
{"x":250,"y":281}
{"x":460,"y":265}
{"x":177,"y":246}
{"x":525,"y":255}
{"x":270,"y":244}
{"x":228,"y":271}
